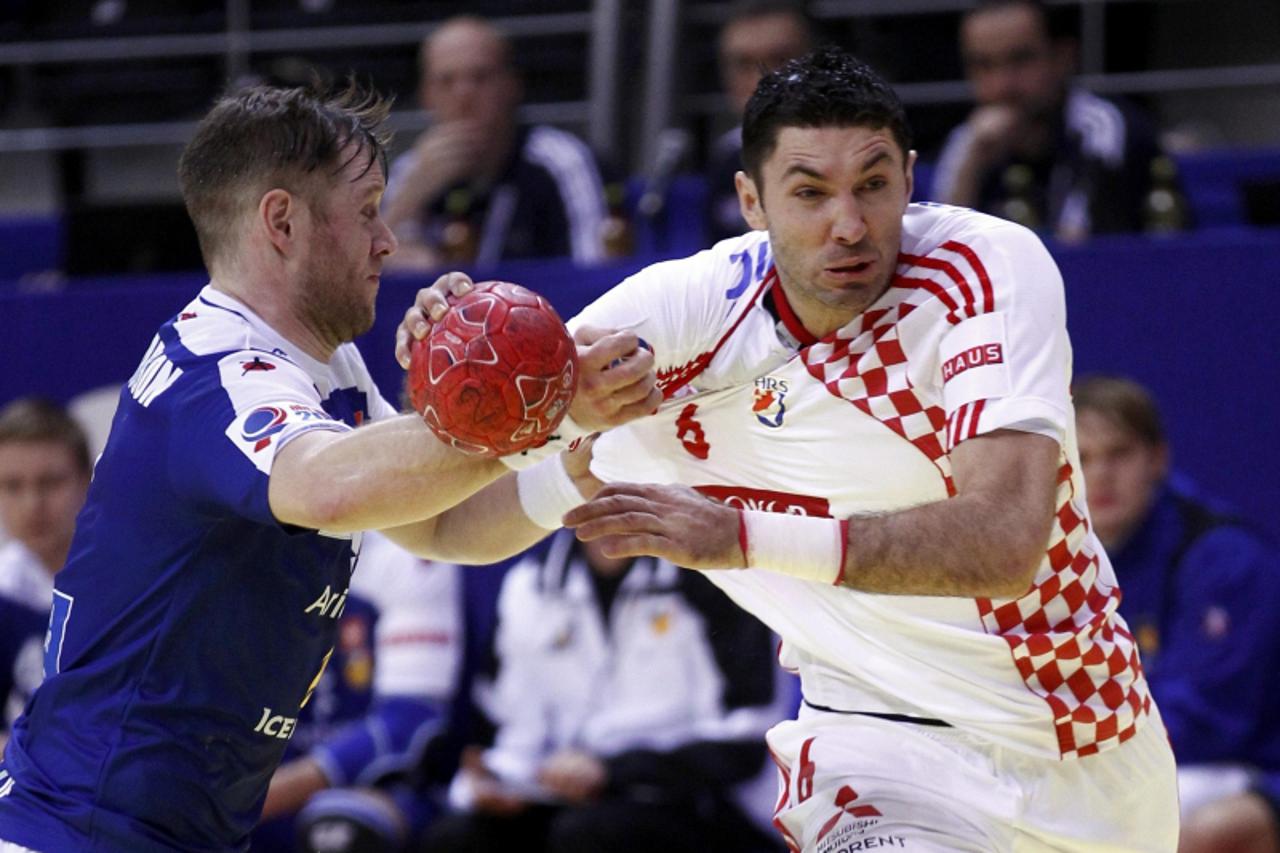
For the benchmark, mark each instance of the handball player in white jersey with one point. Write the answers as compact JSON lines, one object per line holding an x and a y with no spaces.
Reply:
{"x":868,"y":442}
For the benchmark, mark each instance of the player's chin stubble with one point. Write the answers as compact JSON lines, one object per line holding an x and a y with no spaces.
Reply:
{"x":337,"y":309}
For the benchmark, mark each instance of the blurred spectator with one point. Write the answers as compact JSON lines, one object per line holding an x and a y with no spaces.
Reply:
{"x":1243,"y":823}
{"x":758,"y":37}
{"x":1202,"y":596}
{"x":44,"y":476}
{"x":631,"y":700}
{"x":478,"y":187}
{"x":1036,"y":148}
{"x":343,"y":786}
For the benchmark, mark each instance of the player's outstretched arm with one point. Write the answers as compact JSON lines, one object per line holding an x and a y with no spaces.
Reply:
{"x":508,"y":516}
{"x":985,"y":542}
{"x":387,"y":474}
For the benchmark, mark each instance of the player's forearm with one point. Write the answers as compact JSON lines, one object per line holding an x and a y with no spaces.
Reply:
{"x":487,"y":527}
{"x":971,"y":546}
{"x":384,"y":475}
{"x":987,"y":541}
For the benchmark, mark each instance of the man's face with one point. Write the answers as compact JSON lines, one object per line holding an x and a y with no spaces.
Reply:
{"x":41,"y":491}
{"x":1121,"y":473}
{"x":1010,"y":60}
{"x":753,"y":46}
{"x":348,"y":243}
{"x":832,"y":200}
{"x":467,"y":78}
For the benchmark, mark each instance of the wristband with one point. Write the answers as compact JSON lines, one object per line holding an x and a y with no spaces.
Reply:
{"x":547,"y":492}
{"x":802,"y":546}
{"x":566,"y":434}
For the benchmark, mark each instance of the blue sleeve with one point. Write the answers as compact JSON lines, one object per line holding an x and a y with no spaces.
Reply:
{"x":391,"y":737}
{"x":1223,"y":638}
{"x":227,"y":426}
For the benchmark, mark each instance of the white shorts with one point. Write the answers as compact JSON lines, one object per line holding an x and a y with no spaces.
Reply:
{"x":851,"y":783}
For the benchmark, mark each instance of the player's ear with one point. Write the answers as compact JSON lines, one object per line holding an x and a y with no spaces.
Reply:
{"x":749,"y":202}
{"x":277,"y":213}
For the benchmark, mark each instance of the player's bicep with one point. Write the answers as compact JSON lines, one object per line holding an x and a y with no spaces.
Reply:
{"x":1013,"y":470}
{"x":292,"y":489}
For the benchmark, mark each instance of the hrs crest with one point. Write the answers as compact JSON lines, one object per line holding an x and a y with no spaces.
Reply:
{"x":768,"y":401}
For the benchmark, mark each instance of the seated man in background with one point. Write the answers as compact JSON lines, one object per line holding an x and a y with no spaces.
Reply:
{"x":380,"y":701}
{"x":44,"y":476}
{"x":759,"y":36}
{"x":1202,"y":596}
{"x":478,"y":187}
{"x":1037,"y":149}
{"x":631,"y":699}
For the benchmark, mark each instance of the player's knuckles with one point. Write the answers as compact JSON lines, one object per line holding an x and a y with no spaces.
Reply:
{"x":585,"y":335}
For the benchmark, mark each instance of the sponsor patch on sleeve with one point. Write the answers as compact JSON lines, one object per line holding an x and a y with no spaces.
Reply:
{"x":974,"y":365}
{"x":258,"y":431}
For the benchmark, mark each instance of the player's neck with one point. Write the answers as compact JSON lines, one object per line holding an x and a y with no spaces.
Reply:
{"x":277,"y":310}
{"x":817,"y":318}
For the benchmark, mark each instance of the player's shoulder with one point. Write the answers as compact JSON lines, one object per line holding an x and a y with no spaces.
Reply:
{"x":723,"y":271}
{"x":981,"y":241}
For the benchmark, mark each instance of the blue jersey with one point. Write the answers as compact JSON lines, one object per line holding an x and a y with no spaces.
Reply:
{"x":1202,"y":595}
{"x":387,"y":688}
{"x":188,"y":627}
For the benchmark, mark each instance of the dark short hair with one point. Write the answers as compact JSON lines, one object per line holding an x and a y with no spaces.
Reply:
{"x":35,"y":419}
{"x":264,"y":137}
{"x":824,"y":88}
{"x":1123,"y":402}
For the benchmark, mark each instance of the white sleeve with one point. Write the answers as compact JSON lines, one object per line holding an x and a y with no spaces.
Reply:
{"x":273,"y":401}
{"x":1009,"y":366}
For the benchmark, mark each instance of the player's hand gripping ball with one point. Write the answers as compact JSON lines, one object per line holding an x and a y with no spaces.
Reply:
{"x":497,"y":373}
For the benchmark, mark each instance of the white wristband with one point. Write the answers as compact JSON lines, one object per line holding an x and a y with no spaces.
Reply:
{"x":802,"y":546}
{"x":562,"y":439}
{"x":547,"y":492}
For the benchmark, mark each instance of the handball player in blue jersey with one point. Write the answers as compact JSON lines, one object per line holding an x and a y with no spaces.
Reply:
{"x":199,"y":603}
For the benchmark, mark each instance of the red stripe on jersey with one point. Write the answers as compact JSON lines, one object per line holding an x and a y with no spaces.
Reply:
{"x":787,"y":314}
{"x":953,"y":310}
{"x":956,"y":417}
{"x":672,"y":379}
{"x":966,"y":290}
{"x":975,"y":417}
{"x":974,"y":261}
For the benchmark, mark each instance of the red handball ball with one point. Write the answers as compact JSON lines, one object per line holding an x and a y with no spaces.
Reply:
{"x":497,"y":373}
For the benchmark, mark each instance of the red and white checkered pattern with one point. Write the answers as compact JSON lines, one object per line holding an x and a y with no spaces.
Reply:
{"x":1066,"y":642}
{"x":865,"y":363}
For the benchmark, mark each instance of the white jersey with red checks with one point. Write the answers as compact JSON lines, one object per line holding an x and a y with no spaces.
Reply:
{"x":969,"y":338}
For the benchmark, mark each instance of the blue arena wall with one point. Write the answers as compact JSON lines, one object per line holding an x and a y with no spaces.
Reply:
{"x":1195,"y":317}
